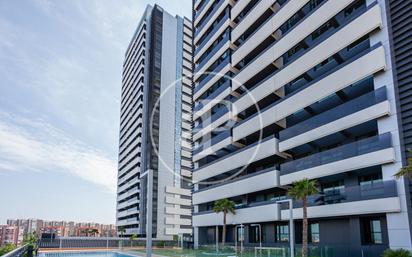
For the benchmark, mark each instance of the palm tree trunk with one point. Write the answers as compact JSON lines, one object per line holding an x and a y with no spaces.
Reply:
{"x":305,"y":228}
{"x":224,"y":229}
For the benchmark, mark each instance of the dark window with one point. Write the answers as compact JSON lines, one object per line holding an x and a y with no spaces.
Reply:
{"x":372,"y":231}
{"x":314,"y":233}
{"x":254,"y":234}
{"x":282,"y":233}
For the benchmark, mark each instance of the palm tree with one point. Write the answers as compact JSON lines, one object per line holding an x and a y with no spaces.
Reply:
{"x":226,"y":206}
{"x":121,"y":230}
{"x":93,"y":232}
{"x":85,"y":231}
{"x":132,"y":238}
{"x":300,"y":191}
{"x":407,"y":170}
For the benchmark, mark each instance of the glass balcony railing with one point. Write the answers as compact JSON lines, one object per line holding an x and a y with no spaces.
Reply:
{"x":214,"y":72}
{"x":214,"y":117}
{"x":336,"y":113}
{"x":242,"y":206}
{"x":212,"y":96}
{"x":360,"y":147}
{"x":207,"y":18}
{"x":308,"y":85}
{"x":220,"y":137}
{"x":235,"y":151}
{"x":200,"y":8}
{"x":216,"y":48}
{"x":209,"y":35}
{"x":384,"y":189}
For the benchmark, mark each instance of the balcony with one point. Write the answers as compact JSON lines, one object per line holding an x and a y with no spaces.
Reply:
{"x":266,"y":29}
{"x":211,"y":74}
{"x":128,"y":212}
{"x":360,"y":147}
{"x":255,"y":212}
{"x":258,"y":10}
{"x":212,"y":97}
{"x":212,"y":33}
{"x":353,"y":200}
{"x":221,"y":136}
{"x":207,"y":18}
{"x":128,"y":193}
{"x":239,"y":158}
{"x":213,"y":145}
{"x":207,"y":57}
{"x":127,"y":222}
{"x":128,"y":184}
{"x":127,"y":203}
{"x":129,"y":174}
{"x":200,"y":10}
{"x":369,"y":21}
{"x":361,"y":66}
{"x":223,"y":111}
{"x":357,"y":111}
{"x":250,"y":183}
{"x":364,"y":153}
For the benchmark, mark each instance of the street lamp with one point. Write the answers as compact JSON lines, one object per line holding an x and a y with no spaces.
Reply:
{"x":149,"y":213}
{"x":242,"y":237}
{"x":291,"y":225}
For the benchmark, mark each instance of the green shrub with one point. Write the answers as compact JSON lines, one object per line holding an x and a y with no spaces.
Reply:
{"x":397,"y":253}
{"x":7,"y":248}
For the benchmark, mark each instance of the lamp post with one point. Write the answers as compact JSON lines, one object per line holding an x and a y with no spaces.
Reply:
{"x":241,"y":226}
{"x":291,"y":225}
{"x":149,"y":213}
{"x":107,"y":239}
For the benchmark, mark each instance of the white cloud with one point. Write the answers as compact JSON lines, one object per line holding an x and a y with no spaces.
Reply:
{"x":35,"y":146}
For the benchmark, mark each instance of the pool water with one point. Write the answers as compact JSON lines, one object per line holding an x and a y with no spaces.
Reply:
{"x":85,"y":254}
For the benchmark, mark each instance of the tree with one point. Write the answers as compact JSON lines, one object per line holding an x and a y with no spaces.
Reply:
{"x":93,"y":231}
{"x":300,"y":191}
{"x":132,"y":238}
{"x":7,"y":248}
{"x":30,"y":239}
{"x":226,"y":206}
{"x":85,"y":231}
{"x":407,"y":170}
{"x":121,"y":230}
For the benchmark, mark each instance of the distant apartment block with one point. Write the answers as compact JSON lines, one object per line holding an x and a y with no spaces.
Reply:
{"x":11,"y":235}
{"x":62,"y":228}
{"x":155,"y":128}
{"x":293,"y":89}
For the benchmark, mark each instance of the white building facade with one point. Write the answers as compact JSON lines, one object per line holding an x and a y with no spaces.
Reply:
{"x":292,"y":89}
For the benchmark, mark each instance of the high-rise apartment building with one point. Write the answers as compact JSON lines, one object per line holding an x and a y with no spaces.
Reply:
{"x":292,"y":89}
{"x":155,"y":128}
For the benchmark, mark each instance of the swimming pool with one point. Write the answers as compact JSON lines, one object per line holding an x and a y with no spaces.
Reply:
{"x":85,"y":254}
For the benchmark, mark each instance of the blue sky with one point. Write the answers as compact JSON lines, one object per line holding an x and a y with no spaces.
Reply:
{"x":60,"y":79}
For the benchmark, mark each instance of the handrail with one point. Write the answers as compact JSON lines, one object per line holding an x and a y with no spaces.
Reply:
{"x":17,"y":252}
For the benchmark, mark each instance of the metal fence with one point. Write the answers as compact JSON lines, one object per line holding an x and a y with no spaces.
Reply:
{"x":99,"y":242}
